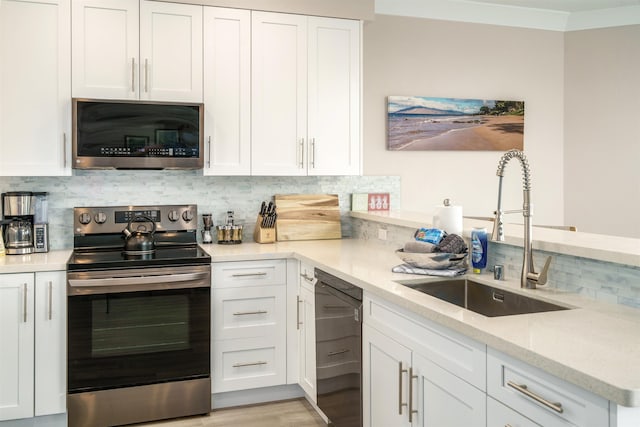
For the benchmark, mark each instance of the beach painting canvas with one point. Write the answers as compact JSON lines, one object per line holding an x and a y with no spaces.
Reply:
{"x":423,"y":123}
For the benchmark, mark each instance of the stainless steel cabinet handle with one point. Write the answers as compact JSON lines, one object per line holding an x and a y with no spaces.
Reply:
{"x":312,"y":153}
{"x":298,"y":301}
{"x":133,"y":74}
{"x":241,"y":365}
{"x":411,"y":410}
{"x":146,"y":75}
{"x":248,"y":274}
{"x":306,"y":277}
{"x":335,"y":353}
{"x":248,"y":313}
{"x":301,"y":150}
{"x":24,"y":302}
{"x":400,"y":372}
{"x":50,"y":299}
{"x":64,"y":149}
{"x":209,"y":159}
{"x":522,"y":388}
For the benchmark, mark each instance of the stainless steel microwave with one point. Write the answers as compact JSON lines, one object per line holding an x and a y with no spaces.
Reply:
{"x":110,"y":134}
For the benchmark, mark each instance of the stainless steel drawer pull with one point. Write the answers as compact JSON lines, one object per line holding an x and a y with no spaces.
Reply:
{"x":400,"y":372}
{"x":24,"y":302}
{"x":64,"y":149}
{"x":411,"y":410}
{"x":307,"y":277}
{"x":522,"y":388}
{"x":313,"y":153}
{"x":335,"y":353}
{"x":298,"y":322}
{"x":242,"y":365}
{"x":50,"y":299}
{"x":133,"y":74}
{"x":249,"y":274}
{"x":246,"y":313}
{"x":146,"y":75}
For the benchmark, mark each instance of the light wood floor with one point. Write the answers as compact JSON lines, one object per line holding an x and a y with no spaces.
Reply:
{"x":290,"y":413}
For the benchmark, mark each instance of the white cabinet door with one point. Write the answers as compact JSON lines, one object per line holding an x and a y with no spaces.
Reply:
{"x":444,"y":399}
{"x":35,"y":106}
{"x":105,"y":49}
{"x":307,"y":332}
{"x":227,"y":91}
{"x":17,"y":351}
{"x":385,"y":383}
{"x":501,"y":415}
{"x":279,"y":94}
{"x":50,"y":343}
{"x":126,"y":49}
{"x":334,"y":96}
{"x":170,"y":52}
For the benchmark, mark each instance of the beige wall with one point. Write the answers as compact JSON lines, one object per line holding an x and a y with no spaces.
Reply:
{"x":413,"y":56}
{"x":602,"y":133}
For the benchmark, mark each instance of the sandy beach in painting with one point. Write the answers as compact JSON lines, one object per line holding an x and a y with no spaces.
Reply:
{"x":498,"y":133}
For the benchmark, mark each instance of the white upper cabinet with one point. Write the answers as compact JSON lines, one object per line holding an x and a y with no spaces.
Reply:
{"x":35,"y":90}
{"x":306,"y":95}
{"x":279,"y":98}
{"x":333,"y":97}
{"x":227,"y":91}
{"x":130,"y":49}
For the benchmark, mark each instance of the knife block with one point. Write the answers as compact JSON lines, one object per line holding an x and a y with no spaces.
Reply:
{"x":263,"y":235}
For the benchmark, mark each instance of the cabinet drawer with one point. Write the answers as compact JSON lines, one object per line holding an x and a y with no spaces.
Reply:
{"x":499,"y":415}
{"x":248,"y":363}
{"x":249,"y":273}
{"x":452,"y":351}
{"x":543,"y":398}
{"x":248,"y":312}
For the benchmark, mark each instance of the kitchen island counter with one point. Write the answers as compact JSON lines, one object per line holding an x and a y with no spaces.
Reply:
{"x":595,"y":345}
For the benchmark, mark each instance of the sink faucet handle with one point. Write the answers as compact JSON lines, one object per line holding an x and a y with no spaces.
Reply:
{"x":542,"y":278}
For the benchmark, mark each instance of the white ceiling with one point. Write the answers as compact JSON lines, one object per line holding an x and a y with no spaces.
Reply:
{"x":563,"y":5}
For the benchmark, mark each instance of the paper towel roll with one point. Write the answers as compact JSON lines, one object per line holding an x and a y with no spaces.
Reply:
{"x":449,"y":219}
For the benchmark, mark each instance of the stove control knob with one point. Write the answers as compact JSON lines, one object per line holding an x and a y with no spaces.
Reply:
{"x":187,"y":216}
{"x":100,"y":218}
{"x":84,"y":218}
{"x":173,"y":215}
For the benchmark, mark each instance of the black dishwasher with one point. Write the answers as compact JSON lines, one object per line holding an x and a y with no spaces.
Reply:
{"x":338,"y":307}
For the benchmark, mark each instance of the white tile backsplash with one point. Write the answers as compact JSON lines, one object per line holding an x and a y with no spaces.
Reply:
{"x":213,"y":195}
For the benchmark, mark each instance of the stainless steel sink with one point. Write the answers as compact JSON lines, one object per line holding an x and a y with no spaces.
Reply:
{"x":481,"y":298}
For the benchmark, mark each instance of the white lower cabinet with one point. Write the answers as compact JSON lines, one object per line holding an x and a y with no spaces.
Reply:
{"x":416,"y":373}
{"x":541,"y":397}
{"x":33,"y":352}
{"x":306,"y":326}
{"x":249,"y":340}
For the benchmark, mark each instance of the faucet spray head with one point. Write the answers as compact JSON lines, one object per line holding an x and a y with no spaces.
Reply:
{"x":526,"y":173}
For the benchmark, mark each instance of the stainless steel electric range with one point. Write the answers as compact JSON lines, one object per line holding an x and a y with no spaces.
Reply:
{"x":139,"y":316}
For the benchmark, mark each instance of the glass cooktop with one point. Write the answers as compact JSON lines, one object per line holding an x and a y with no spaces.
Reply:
{"x":116,"y":258}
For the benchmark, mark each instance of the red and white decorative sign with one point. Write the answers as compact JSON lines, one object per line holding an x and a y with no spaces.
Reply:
{"x":379,"y":202}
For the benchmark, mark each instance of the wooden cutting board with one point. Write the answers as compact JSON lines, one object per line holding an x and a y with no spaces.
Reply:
{"x":307,"y":217}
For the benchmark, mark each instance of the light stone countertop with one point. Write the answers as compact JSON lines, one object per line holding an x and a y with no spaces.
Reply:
{"x":46,"y":261}
{"x":596,"y":345}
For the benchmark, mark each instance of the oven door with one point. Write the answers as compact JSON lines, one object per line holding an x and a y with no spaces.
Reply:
{"x":137,"y":327}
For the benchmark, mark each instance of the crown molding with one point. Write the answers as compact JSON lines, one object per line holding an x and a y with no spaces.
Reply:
{"x":512,"y":16}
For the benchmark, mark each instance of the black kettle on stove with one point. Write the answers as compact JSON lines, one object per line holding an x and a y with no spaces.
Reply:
{"x":140,"y":241}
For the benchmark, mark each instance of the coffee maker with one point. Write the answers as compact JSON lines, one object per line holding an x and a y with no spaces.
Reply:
{"x":25,"y":228}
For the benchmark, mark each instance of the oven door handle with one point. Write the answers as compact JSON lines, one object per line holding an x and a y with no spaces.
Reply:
{"x":169,"y":281}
